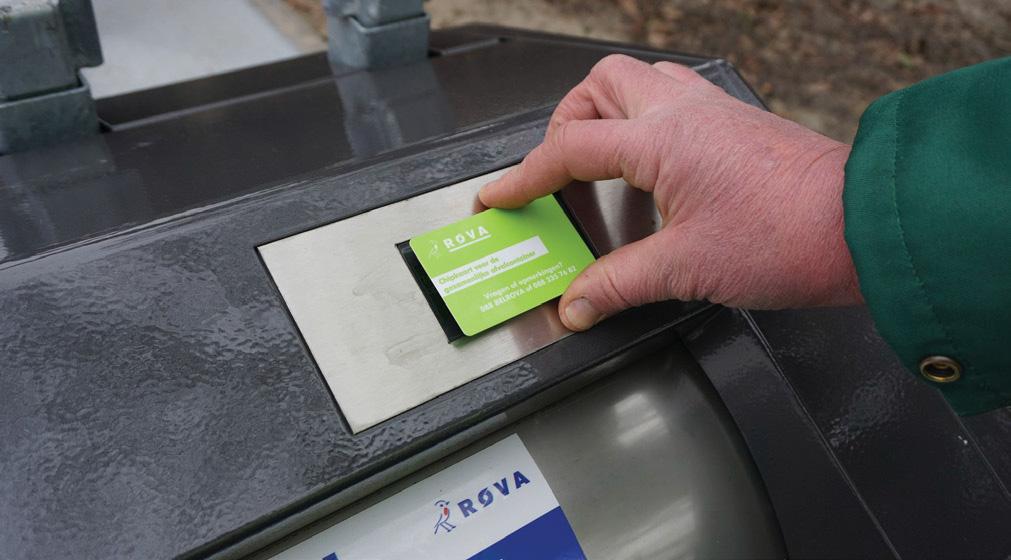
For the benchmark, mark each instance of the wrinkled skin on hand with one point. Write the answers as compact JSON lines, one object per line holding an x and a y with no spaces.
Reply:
{"x":751,"y":202}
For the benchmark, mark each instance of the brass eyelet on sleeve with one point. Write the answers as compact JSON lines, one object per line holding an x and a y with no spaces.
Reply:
{"x":940,"y":369}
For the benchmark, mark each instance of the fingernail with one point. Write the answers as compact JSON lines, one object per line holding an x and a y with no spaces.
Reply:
{"x":581,"y":314}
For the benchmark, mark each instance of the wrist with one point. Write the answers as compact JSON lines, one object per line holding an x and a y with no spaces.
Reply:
{"x":837,"y":274}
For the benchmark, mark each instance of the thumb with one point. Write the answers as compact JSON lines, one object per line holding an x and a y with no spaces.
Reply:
{"x":645,"y":271}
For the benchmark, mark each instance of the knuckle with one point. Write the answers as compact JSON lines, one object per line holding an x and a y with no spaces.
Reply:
{"x":612,"y":64}
{"x":686,"y":74}
{"x":639,"y":156}
{"x":568,"y":108}
{"x":559,"y":138}
{"x":667,"y":64}
{"x":557,"y":120}
{"x":690,"y":74}
{"x":681,"y":278}
{"x":610,"y":286}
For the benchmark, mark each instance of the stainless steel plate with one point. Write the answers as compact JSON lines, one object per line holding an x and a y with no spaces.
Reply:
{"x":367,"y":324}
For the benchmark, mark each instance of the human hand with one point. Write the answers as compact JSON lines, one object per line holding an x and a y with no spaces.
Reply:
{"x":751,"y":203}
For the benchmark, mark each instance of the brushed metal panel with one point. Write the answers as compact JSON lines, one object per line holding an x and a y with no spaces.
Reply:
{"x":367,"y":324}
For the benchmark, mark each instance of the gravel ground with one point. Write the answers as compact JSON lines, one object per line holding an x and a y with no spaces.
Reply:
{"x":819,"y":62}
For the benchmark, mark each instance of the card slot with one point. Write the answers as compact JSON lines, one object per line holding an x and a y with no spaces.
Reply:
{"x":442,"y":314}
{"x":577,"y":223}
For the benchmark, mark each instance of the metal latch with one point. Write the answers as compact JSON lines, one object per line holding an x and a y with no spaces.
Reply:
{"x":43,"y":97}
{"x":376,"y":33}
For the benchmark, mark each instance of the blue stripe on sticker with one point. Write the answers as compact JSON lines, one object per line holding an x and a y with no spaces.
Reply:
{"x":549,"y":537}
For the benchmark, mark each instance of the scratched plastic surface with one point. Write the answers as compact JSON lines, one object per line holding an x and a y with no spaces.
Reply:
{"x":919,"y":468}
{"x":155,"y":398}
{"x":157,"y":395}
{"x":877,"y":465}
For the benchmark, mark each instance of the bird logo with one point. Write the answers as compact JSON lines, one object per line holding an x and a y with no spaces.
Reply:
{"x":443,"y":522}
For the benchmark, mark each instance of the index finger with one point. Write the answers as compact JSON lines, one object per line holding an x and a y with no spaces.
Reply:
{"x":577,"y":150}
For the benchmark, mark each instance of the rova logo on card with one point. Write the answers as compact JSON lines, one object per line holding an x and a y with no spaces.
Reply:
{"x":480,"y":500}
{"x":467,"y":237}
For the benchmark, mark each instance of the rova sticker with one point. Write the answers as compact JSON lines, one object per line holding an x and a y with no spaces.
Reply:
{"x":494,"y":505}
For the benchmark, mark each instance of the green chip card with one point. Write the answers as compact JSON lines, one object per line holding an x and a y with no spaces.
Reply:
{"x":497,"y":264}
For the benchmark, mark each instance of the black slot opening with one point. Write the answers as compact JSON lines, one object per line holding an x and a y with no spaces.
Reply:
{"x":576,"y":224}
{"x":439,"y":309}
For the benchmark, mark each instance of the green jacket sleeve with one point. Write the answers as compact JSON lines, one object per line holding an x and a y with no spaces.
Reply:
{"x":928,"y":222}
